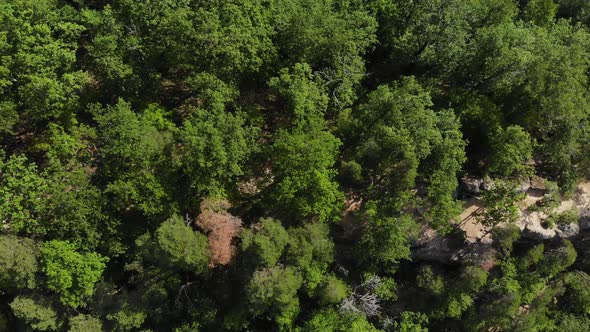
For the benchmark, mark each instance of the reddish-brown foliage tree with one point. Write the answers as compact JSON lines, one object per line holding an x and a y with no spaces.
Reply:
{"x":221,"y":228}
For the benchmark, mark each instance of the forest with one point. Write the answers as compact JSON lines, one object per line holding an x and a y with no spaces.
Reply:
{"x":294,"y":165}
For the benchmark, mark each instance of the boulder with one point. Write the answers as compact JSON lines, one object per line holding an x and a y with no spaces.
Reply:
{"x":535,"y":231}
{"x":524,"y":186}
{"x":537,"y":183}
{"x":471,"y":185}
{"x":567,"y":230}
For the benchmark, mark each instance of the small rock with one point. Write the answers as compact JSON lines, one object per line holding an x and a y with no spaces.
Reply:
{"x":567,"y":230}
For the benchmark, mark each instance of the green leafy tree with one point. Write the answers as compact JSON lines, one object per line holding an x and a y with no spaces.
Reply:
{"x":395,"y":136}
{"x":84,"y":323}
{"x":308,"y":243}
{"x":412,"y":322}
{"x":69,"y":273}
{"x":572,"y":323}
{"x":533,"y":256}
{"x":511,"y":149}
{"x":461,"y":295}
{"x":21,"y":194}
{"x":306,"y":185}
{"x":445,"y":162}
{"x":107,"y":54}
{"x":333,"y":291}
{"x":180,"y":247}
{"x":39,"y":42}
{"x":77,"y":211}
{"x":273,"y":292}
{"x":558,"y":259}
{"x":577,"y":10}
{"x":577,"y":295}
{"x":18,"y":263}
{"x":331,"y":36}
{"x":331,"y":320}
{"x":133,"y":154}
{"x":304,"y":99}
{"x":304,"y":156}
{"x":74,"y":208}
{"x":541,"y":12}
{"x":265,"y":242}
{"x":504,"y":299}
{"x":402,"y":140}
{"x":37,"y":313}
{"x":386,"y":240}
{"x":169,"y":40}
{"x":311,"y":249}
{"x":430,"y":280}
{"x":9,"y":117}
{"x":513,"y":64}
{"x":505,"y":236}
{"x":213,"y":146}
{"x":435,"y":33}
{"x":500,"y":204}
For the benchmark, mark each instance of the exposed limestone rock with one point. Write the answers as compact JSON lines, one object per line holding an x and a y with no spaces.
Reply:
{"x":477,"y":248}
{"x":524,"y":185}
{"x":471,"y":185}
{"x":567,"y":230}
{"x":538,"y":183}
{"x":436,"y":250}
{"x":535,"y":231}
{"x":442,"y":250}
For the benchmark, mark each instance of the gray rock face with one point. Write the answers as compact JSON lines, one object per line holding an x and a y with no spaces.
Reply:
{"x":436,"y":249}
{"x":567,"y":230}
{"x":439,"y":250}
{"x":537,"y":232}
{"x":471,"y":185}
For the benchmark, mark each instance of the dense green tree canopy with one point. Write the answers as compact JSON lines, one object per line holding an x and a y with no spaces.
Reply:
{"x":294,"y":165}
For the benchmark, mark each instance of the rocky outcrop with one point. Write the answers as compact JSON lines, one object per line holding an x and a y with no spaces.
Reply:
{"x":447,"y":250}
{"x":471,"y":185}
{"x":567,"y":230}
{"x":535,"y":231}
{"x":524,"y":186}
{"x":436,"y":250}
{"x":537,"y":183}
